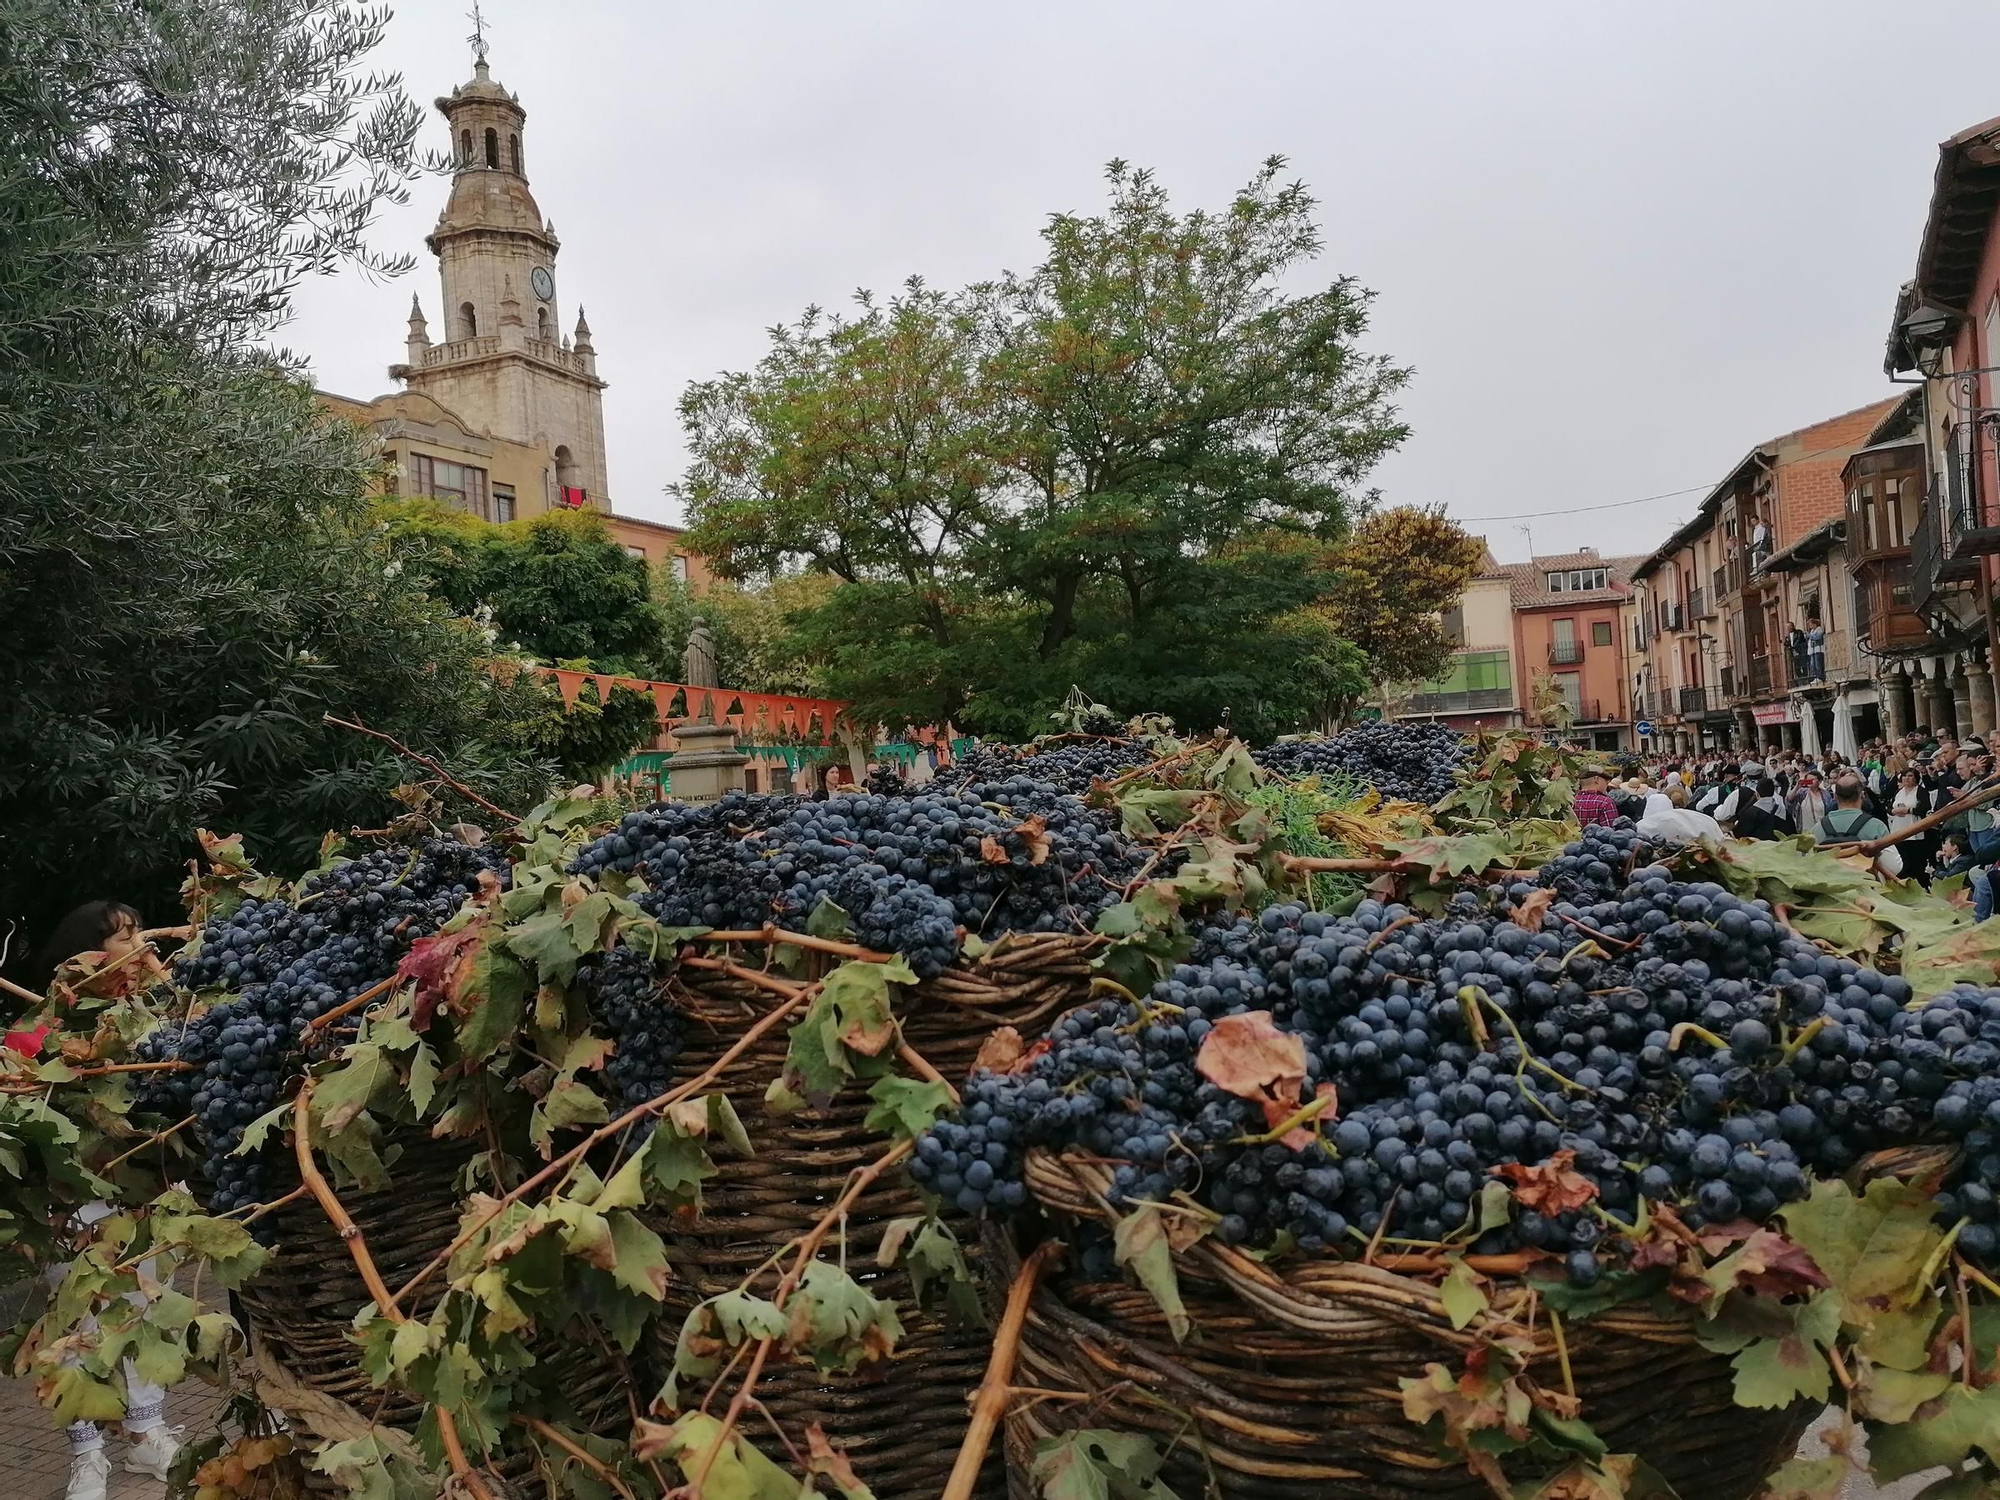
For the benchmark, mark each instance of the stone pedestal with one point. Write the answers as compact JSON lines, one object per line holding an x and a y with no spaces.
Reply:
{"x":707,"y":766}
{"x":1981,"y":678}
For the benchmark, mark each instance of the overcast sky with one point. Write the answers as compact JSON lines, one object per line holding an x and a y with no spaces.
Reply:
{"x":1619,"y":243}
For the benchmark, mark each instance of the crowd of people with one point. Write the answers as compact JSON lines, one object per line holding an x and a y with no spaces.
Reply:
{"x":1887,"y":787}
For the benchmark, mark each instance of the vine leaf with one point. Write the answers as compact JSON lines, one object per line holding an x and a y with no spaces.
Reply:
{"x":1550,"y":1187}
{"x":930,"y":1253}
{"x":836,"y":1322}
{"x":1140,"y":1242}
{"x":822,"y":1458}
{"x":1894,"y":1395}
{"x":1248,"y":1056}
{"x":740,"y":1472}
{"x":843,"y":1035}
{"x":710,"y":1331}
{"x":1779,"y":1348}
{"x":367,"y":1077}
{"x":1096,"y":1464}
{"x":1942,"y":1431}
{"x":905,"y":1107}
{"x":1873,"y":1248}
{"x":1463,"y":1297}
{"x":1808,"y":1478}
{"x":1769,"y":1264}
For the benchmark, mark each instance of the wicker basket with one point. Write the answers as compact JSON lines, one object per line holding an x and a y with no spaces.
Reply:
{"x":1289,"y":1389}
{"x":901,"y":1419}
{"x":299,"y":1310}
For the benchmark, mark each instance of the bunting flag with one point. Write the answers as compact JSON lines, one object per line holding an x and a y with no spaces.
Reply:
{"x":758,"y":716}
{"x":605,"y":682}
{"x":569,"y":684}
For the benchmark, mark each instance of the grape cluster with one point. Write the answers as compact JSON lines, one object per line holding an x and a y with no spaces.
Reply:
{"x":1071,"y":766}
{"x":1014,"y":855}
{"x":622,"y":990}
{"x":1466,"y":1043}
{"x":886,"y":781}
{"x":284,"y":964}
{"x":1415,"y":762}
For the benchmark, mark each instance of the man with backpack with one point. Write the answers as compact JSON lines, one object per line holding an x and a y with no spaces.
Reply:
{"x":1850,"y":822}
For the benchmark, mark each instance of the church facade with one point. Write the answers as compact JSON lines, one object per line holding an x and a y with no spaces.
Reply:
{"x":501,"y":412}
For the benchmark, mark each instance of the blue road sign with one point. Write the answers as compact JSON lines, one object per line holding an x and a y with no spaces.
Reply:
{"x":1645,"y":727}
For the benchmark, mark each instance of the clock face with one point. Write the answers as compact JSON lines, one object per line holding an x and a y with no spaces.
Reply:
{"x":543,"y":283}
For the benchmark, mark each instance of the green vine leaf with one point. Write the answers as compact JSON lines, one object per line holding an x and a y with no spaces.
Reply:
{"x":905,"y":1107}
{"x":930,"y":1254}
{"x":1943,"y":1431}
{"x":1139,"y":1242}
{"x":1096,"y":1464}
{"x":1872,"y":1249}
{"x":836,"y":1322}
{"x":1463,"y":1297}
{"x":740,"y":1472}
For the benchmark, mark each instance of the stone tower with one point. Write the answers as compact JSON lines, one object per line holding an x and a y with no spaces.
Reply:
{"x":503,"y":364}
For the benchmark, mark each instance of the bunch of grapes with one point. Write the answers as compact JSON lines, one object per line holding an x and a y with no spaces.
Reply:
{"x":1466,"y":1043}
{"x":285,"y":964}
{"x":1015,"y":855}
{"x":1415,"y":762}
{"x":1071,"y":766}
{"x":886,"y":781}
{"x":622,"y":990}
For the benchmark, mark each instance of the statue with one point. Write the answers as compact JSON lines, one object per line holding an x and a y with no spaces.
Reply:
{"x":698,"y":663}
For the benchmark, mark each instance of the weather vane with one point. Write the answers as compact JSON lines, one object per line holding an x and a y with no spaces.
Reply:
{"x":478,"y":37}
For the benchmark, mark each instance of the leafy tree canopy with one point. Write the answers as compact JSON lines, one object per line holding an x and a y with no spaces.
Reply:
{"x":1064,"y":475}
{"x":189,"y":576}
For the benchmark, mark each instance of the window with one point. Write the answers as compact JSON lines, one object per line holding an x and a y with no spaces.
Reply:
{"x":1454,"y":625}
{"x":1577,"y":581}
{"x":514,"y":148}
{"x":503,"y":502}
{"x":455,"y":484}
{"x":492,"y":148}
{"x":542,"y":324}
{"x":1570,"y":685}
{"x":638,"y":552}
{"x":468,"y":321}
{"x":750,"y":779}
{"x":680,"y":566}
{"x":1600,"y":633}
{"x":465,"y":146}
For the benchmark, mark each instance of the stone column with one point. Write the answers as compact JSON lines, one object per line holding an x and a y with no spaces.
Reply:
{"x":1746,"y":730}
{"x":1892,"y":692}
{"x":1938,"y":703}
{"x":1981,"y":678}
{"x":1961,"y":700}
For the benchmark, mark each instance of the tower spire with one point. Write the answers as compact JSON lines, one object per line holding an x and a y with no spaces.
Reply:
{"x":478,"y":37}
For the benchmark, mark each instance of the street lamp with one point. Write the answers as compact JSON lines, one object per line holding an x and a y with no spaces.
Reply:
{"x":1924,"y":335}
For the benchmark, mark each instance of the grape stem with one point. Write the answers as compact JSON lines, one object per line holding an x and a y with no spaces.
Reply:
{"x":772,"y":935}
{"x":1621,"y":946}
{"x":1686,"y":1029}
{"x":1562,"y":1353}
{"x":997,"y":1388}
{"x":151,"y":1140}
{"x":1811,"y":1029}
{"x":590,"y":1461}
{"x":1305,"y":1114}
{"x":425,"y":761}
{"x":349,"y":1007}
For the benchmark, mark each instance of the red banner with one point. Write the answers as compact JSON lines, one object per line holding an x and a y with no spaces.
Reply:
{"x":754,"y":716}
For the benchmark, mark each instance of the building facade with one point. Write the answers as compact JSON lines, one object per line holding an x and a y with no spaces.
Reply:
{"x":503,"y":413}
{"x":1570,"y":645}
{"x":1477,"y":690}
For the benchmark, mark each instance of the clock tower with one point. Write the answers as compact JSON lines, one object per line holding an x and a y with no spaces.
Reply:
{"x":504,"y":365}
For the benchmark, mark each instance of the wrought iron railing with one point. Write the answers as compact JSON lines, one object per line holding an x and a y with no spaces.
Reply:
{"x":1926,"y":556}
{"x":1461,"y":702}
{"x":1565,"y":653}
{"x":1698,"y":606}
{"x":1694,"y":701}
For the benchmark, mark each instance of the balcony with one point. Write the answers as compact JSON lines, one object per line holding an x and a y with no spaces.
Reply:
{"x":1971,"y":518}
{"x":1729,"y":685}
{"x":1883,"y":618}
{"x":1473,"y":700}
{"x":1767,"y":673}
{"x":1931,"y":567}
{"x":1565,"y":653}
{"x":1694,"y":702}
{"x":1671,"y":616}
{"x":1698,"y":606}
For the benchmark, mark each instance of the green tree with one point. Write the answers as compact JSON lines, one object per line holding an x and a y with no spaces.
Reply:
{"x":558,"y":586}
{"x":189,"y":578}
{"x":1048,"y":478}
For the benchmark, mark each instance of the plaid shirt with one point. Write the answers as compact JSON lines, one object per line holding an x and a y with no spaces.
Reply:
{"x":1595,"y":807}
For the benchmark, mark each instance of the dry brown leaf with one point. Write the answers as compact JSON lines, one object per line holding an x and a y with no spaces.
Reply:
{"x":1531,"y":908}
{"x":1248,"y":1056}
{"x":1551,"y":1187}
{"x":1001,"y":1052}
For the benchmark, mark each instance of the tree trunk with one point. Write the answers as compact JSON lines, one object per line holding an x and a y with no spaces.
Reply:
{"x":1062,"y":613}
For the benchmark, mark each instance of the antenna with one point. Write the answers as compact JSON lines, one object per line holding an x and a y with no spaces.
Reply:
{"x":478,"y":37}
{"x":1528,"y":532}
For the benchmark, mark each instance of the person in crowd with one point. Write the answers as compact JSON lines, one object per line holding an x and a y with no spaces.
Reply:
{"x":115,"y":930}
{"x":1722,"y":789}
{"x":1593,"y":801}
{"x":1808,"y":803}
{"x":1680,"y":824}
{"x":1955,"y":857}
{"x":1910,"y":802}
{"x":1761,"y":812}
{"x":1816,"y":652}
{"x":1851,"y":823}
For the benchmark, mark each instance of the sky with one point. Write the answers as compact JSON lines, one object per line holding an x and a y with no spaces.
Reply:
{"x":1619,"y":244}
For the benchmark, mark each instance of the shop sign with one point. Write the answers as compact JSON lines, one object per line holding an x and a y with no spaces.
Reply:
{"x":1775,"y":713}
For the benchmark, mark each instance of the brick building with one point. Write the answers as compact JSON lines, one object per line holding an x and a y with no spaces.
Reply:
{"x":1570,"y":644}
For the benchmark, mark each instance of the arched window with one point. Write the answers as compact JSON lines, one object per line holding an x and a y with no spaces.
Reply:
{"x":514,"y":145}
{"x":468,"y":321}
{"x":492,"y":148}
{"x":542,"y":324}
{"x":568,"y":482}
{"x":465,"y":146}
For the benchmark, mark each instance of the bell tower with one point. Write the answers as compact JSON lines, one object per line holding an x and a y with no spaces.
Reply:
{"x":503,"y":364}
